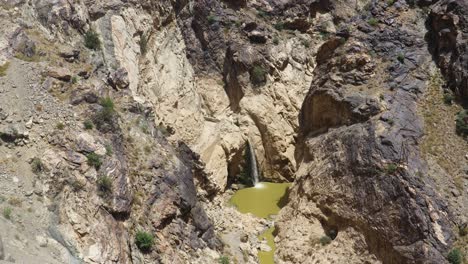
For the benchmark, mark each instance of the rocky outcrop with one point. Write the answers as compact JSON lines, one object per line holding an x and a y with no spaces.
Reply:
{"x":359,"y":159}
{"x":448,"y":23}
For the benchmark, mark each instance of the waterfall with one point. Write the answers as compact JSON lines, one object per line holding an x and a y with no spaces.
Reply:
{"x":253,"y":164}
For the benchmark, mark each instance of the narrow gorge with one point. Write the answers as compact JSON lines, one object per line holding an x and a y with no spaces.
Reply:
{"x":223,"y":131}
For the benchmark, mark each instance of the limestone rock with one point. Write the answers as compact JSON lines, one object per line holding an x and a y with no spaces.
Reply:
{"x":70,"y":55}
{"x":86,"y":143}
{"x":448,"y":21}
{"x":62,"y":74}
{"x":119,"y":79}
{"x":21,"y":43}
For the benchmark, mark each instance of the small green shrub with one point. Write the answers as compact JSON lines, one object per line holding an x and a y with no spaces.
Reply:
{"x":279,"y":26}
{"x":108,"y":150}
{"x":390,"y":2}
{"x":106,"y":114}
{"x":463,"y":230}
{"x":4,"y":68}
{"x":455,"y":256}
{"x":37,"y":166}
{"x":147,"y":149}
{"x":275,"y":40}
{"x":262,"y":14}
{"x":107,"y":102}
{"x":324,"y":35}
{"x":462,"y":122}
{"x":7,"y":211}
{"x":401,"y":57}
{"x":104,"y":184}
{"x":373,"y":22}
{"x":88,"y":125}
{"x":391,"y":168}
{"x":144,"y":241}
{"x":211,"y":19}
{"x":257,"y":74}
{"x":77,"y":185}
{"x":94,"y":160}
{"x":15,"y":201}
{"x":92,"y":40}
{"x":60,"y":126}
{"x":74,"y":80}
{"x":325,"y":240}
{"x":223,"y":260}
{"x":305,"y":43}
{"x":448,"y":98}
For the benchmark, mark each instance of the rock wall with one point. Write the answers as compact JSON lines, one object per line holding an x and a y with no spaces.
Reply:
{"x":359,"y":160}
{"x":448,"y":26}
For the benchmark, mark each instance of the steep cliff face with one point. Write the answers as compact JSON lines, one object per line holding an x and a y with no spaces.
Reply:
{"x":103,"y":170}
{"x":360,"y":166}
{"x":448,"y":23}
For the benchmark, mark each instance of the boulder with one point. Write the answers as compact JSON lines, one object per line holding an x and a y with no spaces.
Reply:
{"x":21,"y":43}
{"x":119,"y":79}
{"x":59,"y":73}
{"x":257,"y":36}
{"x":70,"y":55}
{"x":86,"y":143}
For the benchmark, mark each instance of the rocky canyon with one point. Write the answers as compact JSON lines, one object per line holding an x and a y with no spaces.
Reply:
{"x":128,"y":126}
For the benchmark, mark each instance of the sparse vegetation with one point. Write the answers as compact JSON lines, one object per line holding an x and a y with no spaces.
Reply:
{"x":60,"y":126}
{"x":401,"y":57}
{"x":257,"y":74}
{"x":462,"y":122}
{"x":88,"y":125}
{"x":373,"y":22}
{"x":92,"y":40}
{"x":455,"y":256}
{"x":108,"y":150}
{"x":324,"y":35}
{"x":305,"y":43}
{"x":21,"y":56}
{"x":448,"y":98}
{"x":463,"y":230}
{"x":15,"y":201}
{"x":223,"y":260}
{"x":147,"y":149}
{"x":262,"y":14}
{"x":106,"y":114}
{"x":4,"y":68}
{"x":107,"y":103}
{"x":77,"y":185}
{"x":325,"y":240}
{"x":275,"y":40}
{"x":211,"y":19}
{"x":74,"y":79}
{"x":104,"y":184}
{"x":390,"y":2}
{"x":144,"y":241}
{"x":36,"y":165}
{"x":391,"y":168}
{"x":7,"y":211}
{"x":94,"y":160}
{"x":279,"y":26}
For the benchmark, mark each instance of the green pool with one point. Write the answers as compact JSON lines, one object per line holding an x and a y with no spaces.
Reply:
{"x":262,"y":201}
